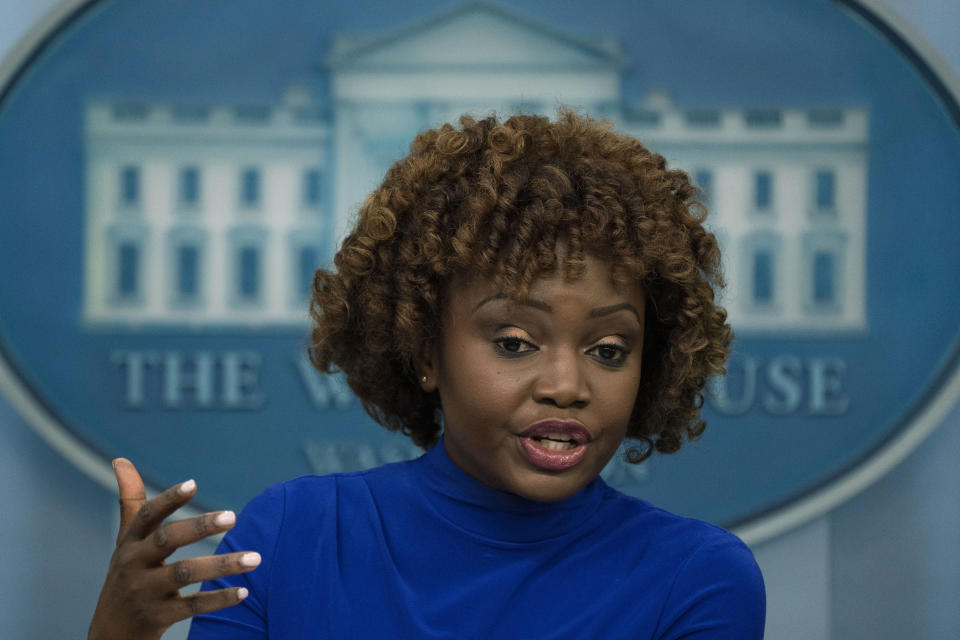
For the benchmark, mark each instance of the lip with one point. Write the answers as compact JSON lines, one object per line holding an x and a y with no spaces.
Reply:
{"x":555,"y":460}
{"x":577,"y":432}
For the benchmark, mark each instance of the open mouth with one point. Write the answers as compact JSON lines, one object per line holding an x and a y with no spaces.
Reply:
{"x":555,"y":445}
{"x":553,"y":451}
{"x":555,"y":442}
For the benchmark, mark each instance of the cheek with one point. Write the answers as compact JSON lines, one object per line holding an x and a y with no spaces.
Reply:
{"x":621,"y":397}
{"x":486,"y":392}
{"x":481,"y":400}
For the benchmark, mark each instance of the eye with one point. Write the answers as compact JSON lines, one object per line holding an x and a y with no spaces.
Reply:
{"x":513,"y":346}
{"x":610,"y":354}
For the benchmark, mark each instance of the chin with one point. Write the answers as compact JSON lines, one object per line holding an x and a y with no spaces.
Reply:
{"x":549,"y":488}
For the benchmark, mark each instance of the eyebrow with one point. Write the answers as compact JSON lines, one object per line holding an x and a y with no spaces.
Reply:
{"x":605,"y":311}
{"x":536,"y":304}
{"x":598,"y":312}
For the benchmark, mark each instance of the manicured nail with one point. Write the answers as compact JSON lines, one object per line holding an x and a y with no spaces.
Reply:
{"x":250,"y":559}
{"x":242,"y":593}
{"x":187,"y":487}
{"x":225,"y":518}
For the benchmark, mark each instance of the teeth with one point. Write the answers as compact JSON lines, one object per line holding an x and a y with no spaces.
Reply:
{"x":553,"y":445}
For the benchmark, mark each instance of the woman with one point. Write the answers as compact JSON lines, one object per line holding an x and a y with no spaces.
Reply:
{"x":518,"y":298}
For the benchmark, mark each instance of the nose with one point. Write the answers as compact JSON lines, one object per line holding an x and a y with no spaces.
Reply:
{"x":561,"y":381}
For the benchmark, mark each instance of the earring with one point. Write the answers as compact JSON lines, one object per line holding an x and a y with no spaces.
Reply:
{"x":423,"y":379}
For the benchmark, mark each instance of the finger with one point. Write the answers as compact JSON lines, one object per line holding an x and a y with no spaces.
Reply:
{"x":169,"y":537}
{"x":177,"y":575}
{"x":206,"y":601}
{"x":132,"y":494}
{"x":152,"y":512}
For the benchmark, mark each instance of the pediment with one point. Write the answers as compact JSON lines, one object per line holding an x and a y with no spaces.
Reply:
{"x":475,"y":35}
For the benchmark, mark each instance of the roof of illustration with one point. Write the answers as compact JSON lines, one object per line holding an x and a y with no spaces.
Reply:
{"x":475,"y":34}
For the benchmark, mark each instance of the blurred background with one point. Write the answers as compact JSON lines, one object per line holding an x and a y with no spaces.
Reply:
{"x":883,"y":563}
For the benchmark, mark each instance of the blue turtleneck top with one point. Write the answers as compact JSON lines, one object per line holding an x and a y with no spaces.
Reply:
{"x":420,"y":549}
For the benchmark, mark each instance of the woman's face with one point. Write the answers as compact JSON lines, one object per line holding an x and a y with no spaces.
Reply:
{"x":536,"y":396}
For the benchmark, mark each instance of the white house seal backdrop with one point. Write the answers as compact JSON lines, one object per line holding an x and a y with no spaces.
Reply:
{"x":171,"y":175}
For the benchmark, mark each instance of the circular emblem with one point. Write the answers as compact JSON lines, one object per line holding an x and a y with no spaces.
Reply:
{"x":173,"y":173}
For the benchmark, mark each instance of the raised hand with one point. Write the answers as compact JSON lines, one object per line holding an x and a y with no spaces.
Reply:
{"x":140,"y":598}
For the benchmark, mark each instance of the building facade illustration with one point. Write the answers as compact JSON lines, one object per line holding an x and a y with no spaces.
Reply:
{"x":213,"y":215}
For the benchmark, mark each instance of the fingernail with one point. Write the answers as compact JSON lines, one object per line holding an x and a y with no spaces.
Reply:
{"x":187,"y":487}
{"x":250,"y":559}
{"x":225,"y":518}
{"x":242,"y":593}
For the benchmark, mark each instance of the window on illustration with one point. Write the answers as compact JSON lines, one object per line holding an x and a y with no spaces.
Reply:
{"x":311,"y":188}
{"x":249,"y":280}
{"x":128,"y":271}
{"x":762,"y":190}
{"x":189,"y":186}
{"x":130,"y":186}
{"x":824,"y":275}
{"x":704,"y":180}
{"x":250,"y":188}
{"x":308,"y":261}
{"x":763,"y":277}
{"x":826,"y":190}
{"x":188,"y":271}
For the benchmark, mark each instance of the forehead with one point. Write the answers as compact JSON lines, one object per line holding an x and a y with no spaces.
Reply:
{"x":593,"y":287}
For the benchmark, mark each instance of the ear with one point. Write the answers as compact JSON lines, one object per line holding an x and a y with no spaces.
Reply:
{"x":427,"y":365}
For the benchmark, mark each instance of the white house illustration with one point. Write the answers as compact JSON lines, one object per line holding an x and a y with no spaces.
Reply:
{"x":213,"y":215}
{"x":204,"y":214}
{"x":787,"y":195}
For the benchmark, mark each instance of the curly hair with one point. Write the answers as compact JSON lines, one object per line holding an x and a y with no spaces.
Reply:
{"x":495,"y":199}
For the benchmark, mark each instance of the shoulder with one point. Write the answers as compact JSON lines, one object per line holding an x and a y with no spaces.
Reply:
{"x":689,"y":540}
{"x":658,"y":526}
{"x":712,"y":582}
{"x":308,"y":497}
{"x":288,"y":519}
{"x":717,"y":591}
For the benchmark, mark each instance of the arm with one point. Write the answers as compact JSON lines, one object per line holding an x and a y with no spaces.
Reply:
{"x":718,"y":594}
{"x":258,"y":527}
{"x":140,"y":597}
